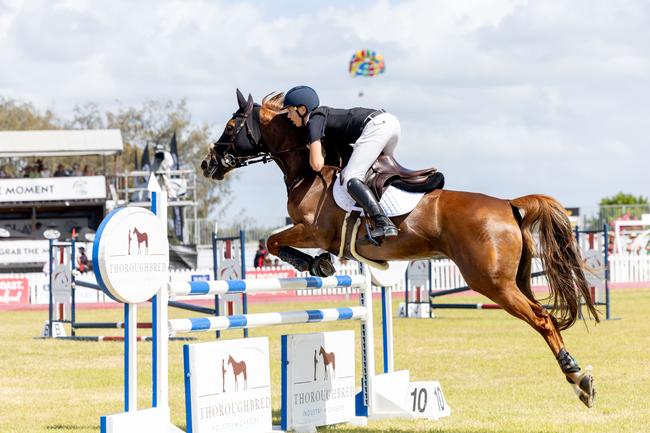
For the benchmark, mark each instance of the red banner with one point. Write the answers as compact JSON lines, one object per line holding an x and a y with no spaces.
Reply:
{"x":261,"y":273}
{"x":14,"y":291}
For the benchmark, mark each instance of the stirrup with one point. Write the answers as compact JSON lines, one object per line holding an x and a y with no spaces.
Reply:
{"x":384,"y":227}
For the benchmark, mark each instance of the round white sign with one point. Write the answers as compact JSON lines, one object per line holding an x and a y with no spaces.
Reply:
{"x":131,"y":255}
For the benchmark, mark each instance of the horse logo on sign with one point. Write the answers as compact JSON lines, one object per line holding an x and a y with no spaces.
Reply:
{"x":329,"y":363}
{"x":141,"y":238}
{"x":238,"y":368}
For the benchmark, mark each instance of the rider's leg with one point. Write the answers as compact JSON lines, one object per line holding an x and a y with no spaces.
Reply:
{"x":359,"y":191}
{"x":381,"y":134}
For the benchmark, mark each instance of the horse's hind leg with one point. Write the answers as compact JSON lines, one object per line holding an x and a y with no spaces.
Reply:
{"x":518,"y":305}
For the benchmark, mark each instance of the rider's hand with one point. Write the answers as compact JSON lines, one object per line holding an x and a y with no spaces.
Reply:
{"x":316,"y":159}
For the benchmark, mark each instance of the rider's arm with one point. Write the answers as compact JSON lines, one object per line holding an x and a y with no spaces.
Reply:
{"x":316,"y":159}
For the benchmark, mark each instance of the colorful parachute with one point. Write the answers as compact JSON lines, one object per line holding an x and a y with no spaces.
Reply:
{"x":367,"y":63}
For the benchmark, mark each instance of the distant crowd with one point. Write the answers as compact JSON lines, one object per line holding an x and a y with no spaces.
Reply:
{"x":38,"y":169}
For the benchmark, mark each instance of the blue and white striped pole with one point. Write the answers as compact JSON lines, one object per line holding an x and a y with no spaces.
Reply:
{"x":221,"y":287}
{"x":245,"y":321}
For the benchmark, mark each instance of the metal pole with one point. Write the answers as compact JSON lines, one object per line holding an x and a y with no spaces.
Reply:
{"x":406,"y":293}
{"x":607,"y":299}
{"x":430,"y":288}
{"x":160,"y":336}
{"x":242,"y":253}
{"x":73,"y":294}
{"x":215,"y":270}
{"x":387,"y":327}
{"x":51,"y":312}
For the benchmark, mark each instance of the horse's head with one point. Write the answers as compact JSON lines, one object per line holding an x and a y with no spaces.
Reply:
{"x":240,"y":142}
{"x":259,"y":133}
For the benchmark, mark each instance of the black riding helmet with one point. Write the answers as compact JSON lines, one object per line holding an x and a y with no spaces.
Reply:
{"x":301,"y":95}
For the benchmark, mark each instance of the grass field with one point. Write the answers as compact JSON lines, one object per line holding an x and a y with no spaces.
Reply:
{"x":496,"y":372}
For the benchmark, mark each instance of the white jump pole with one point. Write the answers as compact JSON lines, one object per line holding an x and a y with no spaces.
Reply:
{"x":367,"y":342}
{"x":131,"y":358}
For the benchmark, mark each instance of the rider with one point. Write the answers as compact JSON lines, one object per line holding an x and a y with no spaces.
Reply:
{"x":369,"y":132}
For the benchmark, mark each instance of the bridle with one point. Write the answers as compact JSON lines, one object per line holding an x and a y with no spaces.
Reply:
{"x":229,"y":158}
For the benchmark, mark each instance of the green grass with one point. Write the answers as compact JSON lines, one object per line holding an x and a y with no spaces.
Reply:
{"x":496,"y":372}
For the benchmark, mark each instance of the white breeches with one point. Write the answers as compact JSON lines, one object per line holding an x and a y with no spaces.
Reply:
{"x":380,"y":134}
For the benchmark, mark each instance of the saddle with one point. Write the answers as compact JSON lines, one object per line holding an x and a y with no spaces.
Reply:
{"x":386,"y":172}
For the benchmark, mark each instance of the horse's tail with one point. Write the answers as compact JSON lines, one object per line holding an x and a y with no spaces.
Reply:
{"x":559,"y":254}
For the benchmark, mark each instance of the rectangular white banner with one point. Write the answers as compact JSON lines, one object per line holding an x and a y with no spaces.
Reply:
{"x":52,"y":188}
{"x":24,"y":251}
{"x":318,"y":379}
{"x":228,"y":386}
{"x":33,"y":251}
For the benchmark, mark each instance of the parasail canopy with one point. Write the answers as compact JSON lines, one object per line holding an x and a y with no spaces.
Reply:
{"x":367,"y":63}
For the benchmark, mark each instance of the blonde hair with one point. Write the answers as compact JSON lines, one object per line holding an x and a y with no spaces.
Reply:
{"x":272,"y":105}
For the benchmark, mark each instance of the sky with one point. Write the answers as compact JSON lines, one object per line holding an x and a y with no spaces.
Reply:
{"x":505,"y":97}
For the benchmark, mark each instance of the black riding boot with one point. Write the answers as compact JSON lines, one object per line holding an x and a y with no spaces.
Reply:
{"x":384,"y":227}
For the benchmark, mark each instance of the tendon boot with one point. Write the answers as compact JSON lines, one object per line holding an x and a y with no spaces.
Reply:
{"x":383,"y":226}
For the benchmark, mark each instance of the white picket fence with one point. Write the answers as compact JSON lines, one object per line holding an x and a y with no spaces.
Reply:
{"x":624,"y":268}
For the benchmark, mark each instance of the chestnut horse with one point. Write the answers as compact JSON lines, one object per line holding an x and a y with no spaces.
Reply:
{"x":489,"y":239}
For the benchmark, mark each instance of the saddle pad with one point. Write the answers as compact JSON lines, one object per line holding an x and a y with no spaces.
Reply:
{"x":394,"y":202}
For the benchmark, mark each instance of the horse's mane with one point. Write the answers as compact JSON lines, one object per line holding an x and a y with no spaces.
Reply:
{"x":271,"y":106}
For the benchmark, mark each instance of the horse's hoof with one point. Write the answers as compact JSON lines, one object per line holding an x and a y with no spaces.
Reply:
{"x":588,"y":392}
{"x":322,"y":266}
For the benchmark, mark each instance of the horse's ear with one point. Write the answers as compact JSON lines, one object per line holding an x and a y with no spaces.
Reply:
{"x":241,"y":100}
{"x":249,"y":103}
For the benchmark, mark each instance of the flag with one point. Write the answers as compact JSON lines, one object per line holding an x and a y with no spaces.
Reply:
{"x":177,"y":210}
{"x":173,"y":149}
{"x":145,"y":162}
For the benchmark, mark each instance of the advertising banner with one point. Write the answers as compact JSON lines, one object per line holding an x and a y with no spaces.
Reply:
{"x":14,"y":291}
{"x":318,"y":379}
{"x":52,"y":188}
{"x":24,"y":251}
{"x":228,"y":386}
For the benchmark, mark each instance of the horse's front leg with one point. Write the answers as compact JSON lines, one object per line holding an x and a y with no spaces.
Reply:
{"x":282,"y":244}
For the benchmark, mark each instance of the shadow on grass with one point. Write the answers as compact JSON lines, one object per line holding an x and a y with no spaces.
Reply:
{"x":432,"y":429}
{"x":68,"y":427}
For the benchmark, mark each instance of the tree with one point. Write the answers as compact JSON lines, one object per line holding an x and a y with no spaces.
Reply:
{"x":622,"y":198}
{"x":624,"y":205}
{"x":154,"y":122}
{"x":21,"y":116}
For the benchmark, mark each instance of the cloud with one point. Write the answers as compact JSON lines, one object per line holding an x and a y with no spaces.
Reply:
{"x":504,"y":96}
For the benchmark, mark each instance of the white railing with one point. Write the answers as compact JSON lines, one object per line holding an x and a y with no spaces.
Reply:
{"x":628,"y":268}
{"x":624,"y":268}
